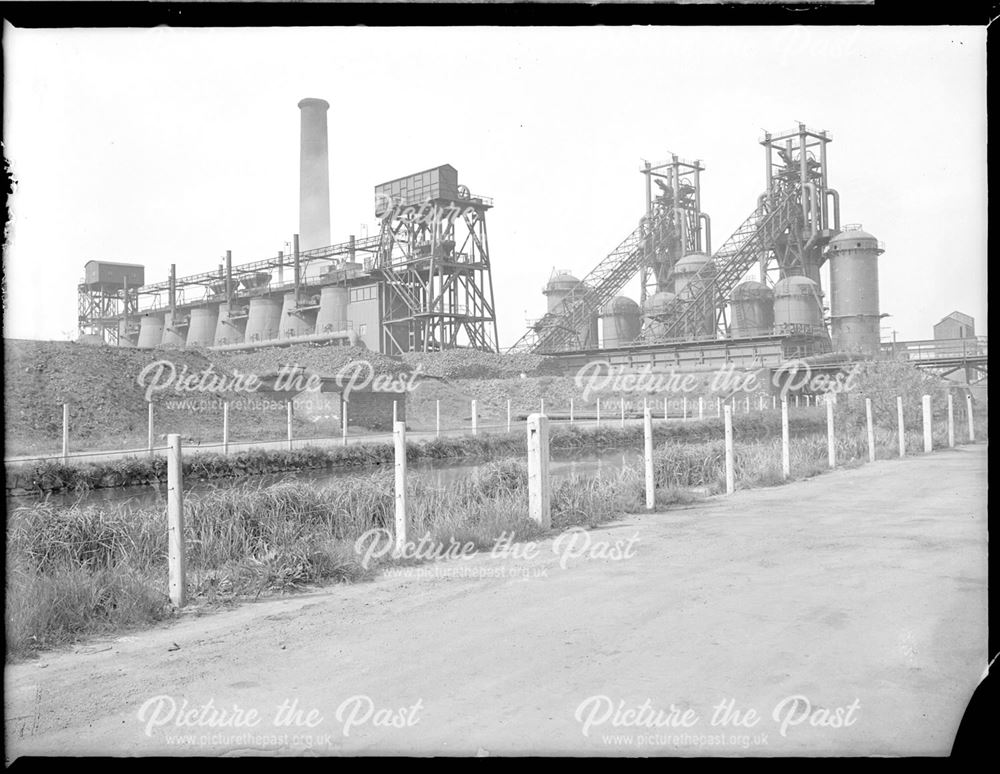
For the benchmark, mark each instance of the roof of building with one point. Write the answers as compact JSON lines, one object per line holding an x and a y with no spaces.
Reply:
{"x":958,"y":317}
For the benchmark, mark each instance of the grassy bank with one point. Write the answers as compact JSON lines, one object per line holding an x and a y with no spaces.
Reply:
{"x":88,"y":569}
{"x":55,"y":475}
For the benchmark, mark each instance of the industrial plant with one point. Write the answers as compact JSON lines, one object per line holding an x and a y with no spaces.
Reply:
{"x":423,"y":282}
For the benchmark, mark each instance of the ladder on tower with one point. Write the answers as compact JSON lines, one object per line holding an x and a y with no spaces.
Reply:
{"x":559,"y":330}
{"x":717,"y":279}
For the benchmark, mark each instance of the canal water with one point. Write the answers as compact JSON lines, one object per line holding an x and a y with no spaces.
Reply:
{"x":435,"y":472}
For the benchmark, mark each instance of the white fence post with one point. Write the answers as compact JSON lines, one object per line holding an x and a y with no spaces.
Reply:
{"x":395,"y":412}
{"x":701,"y":407}
{"x":149,"y":428}
{"x":176,"y":579}
{"x":648,"y":454}
{"x":951,"y":421}
{"x":747,"y":409}
{"x":571,"y":416}
{"x":399,"y":444}
{"x":774,"y":402}
{"x":538,"y":470}
{"x":598,"y":412}
{"x":623,"y":411}
{"x":541,"y":406}
{"x":968,"y":413}
{"x":871,"y":429}
{"x":796,"y":401}
{"x":225,"y":426}
{"x":718,"y":407}
{"x":760,"y":402}
{"x":343,"y":419}
{"x":902,"y":429}
{"x":508,"y":415}
{"x":437,"y":418}
{"x":831,"y":441}
{"x":288,"y":421}
{"x":65,"y":429}
{"x":475,"y":418}
{"x":928,"y":426}
{"x":730,"y":474}
{"x":786,"y":457}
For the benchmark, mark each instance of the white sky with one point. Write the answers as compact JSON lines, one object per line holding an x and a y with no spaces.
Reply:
{"x":171,"y":146}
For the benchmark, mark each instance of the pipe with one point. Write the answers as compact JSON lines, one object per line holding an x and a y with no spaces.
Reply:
{"x":229,"y":277}
{"x":836,"y":207}
{"x":708,"y":231}
{"x":810,"y":206}
{"x":295,"y":265}
{"x":767,"y":158}
{"x":172,"y":289}
{"x":311,"y":338}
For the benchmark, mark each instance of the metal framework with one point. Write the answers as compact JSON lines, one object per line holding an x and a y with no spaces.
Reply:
{"x":783,"y":236}
{"x":437,"y":290}
{"x":671,"y":227}
{"x":106,"y":310}
{"x":679,"y":204}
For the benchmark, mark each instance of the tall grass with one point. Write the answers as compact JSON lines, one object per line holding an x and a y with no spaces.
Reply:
{"x":82,"y":569}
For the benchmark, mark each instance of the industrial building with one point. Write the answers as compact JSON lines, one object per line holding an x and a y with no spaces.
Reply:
{"x":756,"y":301}
{"x":423,"y":283}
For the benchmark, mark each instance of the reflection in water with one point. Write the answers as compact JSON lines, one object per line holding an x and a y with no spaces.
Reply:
{"x":438,"y":473}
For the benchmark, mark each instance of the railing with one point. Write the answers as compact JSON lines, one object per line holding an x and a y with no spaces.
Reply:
{"x":937,"y":349}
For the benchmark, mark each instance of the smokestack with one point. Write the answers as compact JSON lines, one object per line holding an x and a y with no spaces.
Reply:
{"x":314,"y":176}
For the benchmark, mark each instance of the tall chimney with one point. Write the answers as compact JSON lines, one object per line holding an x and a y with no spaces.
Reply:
{"x":314,"y":176}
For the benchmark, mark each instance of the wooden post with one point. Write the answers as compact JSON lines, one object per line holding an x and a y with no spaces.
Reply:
{"x":701,"y":407}
{"x":149,"y":429}
{"x":175,"y":523}
{"x":508,"y":415}
{"x":902,"y":432}
{"x":343,"y":419}
{"x":437,"y":418}
{"x":571,"y":419}
{"x":399,"y":443}
{"x":871,"y":429}
{"x":538,"y":470}
{"x":928,"y":427}
{"x":968,"y":414}
{"x":786,"y":456}
{"x":475,"y":422}
{"x":730,"y":474}
{"x":288,"y":421}
{"x":831,"y":441}
{"x":225,"y":426}
{"x":65,"y":453}
{"x":648,"y":449}
{"x":951,"y":421}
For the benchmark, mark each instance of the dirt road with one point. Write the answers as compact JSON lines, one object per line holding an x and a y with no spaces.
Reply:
{"x":848,"y":612}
